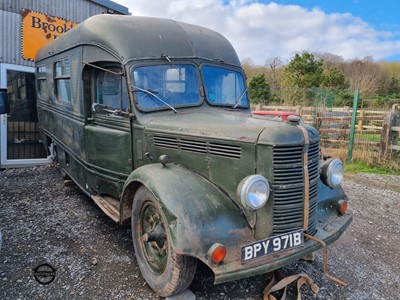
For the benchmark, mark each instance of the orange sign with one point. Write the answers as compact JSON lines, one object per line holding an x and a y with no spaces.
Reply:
{"x":39,"y":30}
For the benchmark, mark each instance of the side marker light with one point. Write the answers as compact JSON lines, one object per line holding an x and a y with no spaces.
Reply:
{"x":217,"y":253}
{"x":342,"y":207}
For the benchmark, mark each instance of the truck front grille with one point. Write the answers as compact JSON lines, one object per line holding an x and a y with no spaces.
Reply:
{"x":288,"y":187}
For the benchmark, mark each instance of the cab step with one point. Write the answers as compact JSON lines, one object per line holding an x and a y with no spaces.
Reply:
{"x":109,"y":205}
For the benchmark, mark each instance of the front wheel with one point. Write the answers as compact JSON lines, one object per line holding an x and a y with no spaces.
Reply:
{"x":165,"y":271}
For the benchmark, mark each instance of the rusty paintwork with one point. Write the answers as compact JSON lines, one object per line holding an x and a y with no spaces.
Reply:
{"x":212,"y":145}
{"x":280,"y":114}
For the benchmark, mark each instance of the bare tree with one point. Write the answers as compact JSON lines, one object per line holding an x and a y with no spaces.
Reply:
{"x":364,"y":75}
{"x":331,"y":61}
{"x":251,"y":70}
{"x":274,"y":66}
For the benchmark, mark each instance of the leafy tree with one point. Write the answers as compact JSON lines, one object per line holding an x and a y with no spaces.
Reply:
{"x":260,"y":90}
{"x":343,"y":98}
{"x":394,"y":86}
{"x":334,"y":78}
{"x":311,"y":79}
{"x":303,"y":71}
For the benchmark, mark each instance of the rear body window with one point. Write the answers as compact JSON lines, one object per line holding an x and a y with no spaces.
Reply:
{"x":62,"y":80}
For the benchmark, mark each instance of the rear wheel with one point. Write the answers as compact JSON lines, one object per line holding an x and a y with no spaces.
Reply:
{"x":166,"y":272}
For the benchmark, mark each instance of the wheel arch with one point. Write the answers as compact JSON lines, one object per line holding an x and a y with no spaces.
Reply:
{"x":199,"y":214}
{"x":129,"y":191}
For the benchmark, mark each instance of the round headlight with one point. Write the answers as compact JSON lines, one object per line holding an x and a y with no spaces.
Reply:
{"x":332,"y":172}
{"x":254,"y":191}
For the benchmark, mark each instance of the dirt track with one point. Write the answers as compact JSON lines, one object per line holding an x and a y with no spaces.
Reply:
{"x":44,"y":222}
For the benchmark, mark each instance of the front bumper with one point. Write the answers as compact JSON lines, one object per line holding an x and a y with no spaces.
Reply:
{"x":328,"y":230}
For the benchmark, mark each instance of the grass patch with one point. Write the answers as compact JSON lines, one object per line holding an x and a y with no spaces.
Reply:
{"x":361,"y":167}
{"x":370,"y":137}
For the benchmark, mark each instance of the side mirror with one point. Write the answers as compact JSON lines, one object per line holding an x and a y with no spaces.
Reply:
{"x":4,"y":105}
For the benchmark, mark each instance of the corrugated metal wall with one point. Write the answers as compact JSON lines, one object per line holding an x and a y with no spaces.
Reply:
{"x":72,"y":10}
{"x":10,"y":39}
{"x":10,"y":21}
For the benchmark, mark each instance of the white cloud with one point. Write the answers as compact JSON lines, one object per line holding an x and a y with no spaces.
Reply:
{"x":261,"y":31}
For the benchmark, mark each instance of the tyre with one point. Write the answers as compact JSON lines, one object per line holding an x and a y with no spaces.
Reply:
{"x":165,"y":271}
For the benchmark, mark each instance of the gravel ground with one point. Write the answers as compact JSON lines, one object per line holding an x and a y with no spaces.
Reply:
{"x":42,"y":221}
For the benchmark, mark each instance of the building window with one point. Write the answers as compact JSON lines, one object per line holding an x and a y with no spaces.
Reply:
{"x":41,"y":81}
{"x":62,"y":80}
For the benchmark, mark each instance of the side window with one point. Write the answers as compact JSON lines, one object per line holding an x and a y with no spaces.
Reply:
{"x":110,"y":91}
{"x":41,"y":72}
{"x":62,"y":80}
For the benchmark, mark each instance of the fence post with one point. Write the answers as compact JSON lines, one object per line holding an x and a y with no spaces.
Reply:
{"x":314,"y":118}
{"x":396,"y":124}
{"x":360,"y":120}
{"x":385,"y":135}
{"x":353,"y":126}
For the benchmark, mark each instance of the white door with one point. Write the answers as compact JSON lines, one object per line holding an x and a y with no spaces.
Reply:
{"x":20,"y":143}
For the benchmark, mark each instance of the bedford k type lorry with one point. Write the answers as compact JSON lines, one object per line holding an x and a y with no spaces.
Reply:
{"x":151,"y":118}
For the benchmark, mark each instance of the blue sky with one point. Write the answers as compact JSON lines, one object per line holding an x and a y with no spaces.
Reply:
{"x":261,"y":30}
{"x":383,"y":15}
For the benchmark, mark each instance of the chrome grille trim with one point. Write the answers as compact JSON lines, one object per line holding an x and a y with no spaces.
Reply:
{"x":288,"y":187}
{"x":287,"y":155}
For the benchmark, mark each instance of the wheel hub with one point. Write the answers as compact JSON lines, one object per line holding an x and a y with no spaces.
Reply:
{"x":154,"y":239}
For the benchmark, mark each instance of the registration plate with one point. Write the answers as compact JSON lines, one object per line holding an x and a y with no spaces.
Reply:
{"x":272,"y":245}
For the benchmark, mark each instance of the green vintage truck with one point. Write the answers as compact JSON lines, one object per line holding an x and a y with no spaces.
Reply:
{"x":151,"y":119}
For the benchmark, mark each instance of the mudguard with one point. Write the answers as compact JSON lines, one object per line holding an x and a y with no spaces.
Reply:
{"x":328,"y":200}
{"x":198,"y":213}
{"x":325,"y":193}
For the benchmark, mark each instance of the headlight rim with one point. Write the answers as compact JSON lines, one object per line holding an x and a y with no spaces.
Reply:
{"x":244,"y":188}
{"x":327,"y":172}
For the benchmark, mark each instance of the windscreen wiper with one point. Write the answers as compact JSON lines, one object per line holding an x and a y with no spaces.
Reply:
{"x":240,"y":98}
{"x":172,"y":64}
{"x":153,"y":94}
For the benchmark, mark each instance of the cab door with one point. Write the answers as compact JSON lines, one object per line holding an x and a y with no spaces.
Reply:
{"x":107,"y":134}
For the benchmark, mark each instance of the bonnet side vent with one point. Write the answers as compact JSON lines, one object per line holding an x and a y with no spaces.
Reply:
{"x":231,"y":151}
{"x":166,"y":142}
{"x":212,"y":148}
{"x":193,"y":146}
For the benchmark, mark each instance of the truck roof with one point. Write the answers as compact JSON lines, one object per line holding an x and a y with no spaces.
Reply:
{"x":134,"y":37}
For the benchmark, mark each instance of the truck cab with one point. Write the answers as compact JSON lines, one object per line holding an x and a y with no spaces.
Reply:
{"x":151,"y":119}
